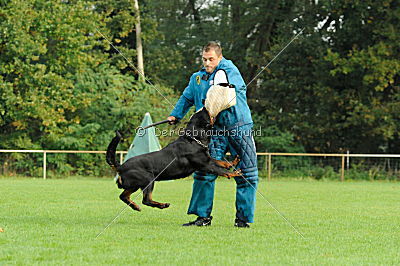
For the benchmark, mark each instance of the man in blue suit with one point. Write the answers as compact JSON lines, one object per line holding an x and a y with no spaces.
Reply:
{"x":232,"y":132}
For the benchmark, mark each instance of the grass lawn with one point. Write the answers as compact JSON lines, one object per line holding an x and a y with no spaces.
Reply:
{"x":56,"y":222}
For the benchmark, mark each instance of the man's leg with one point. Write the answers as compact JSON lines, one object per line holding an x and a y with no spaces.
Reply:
{"x":242,"y":143}
{"x":202,"y":199}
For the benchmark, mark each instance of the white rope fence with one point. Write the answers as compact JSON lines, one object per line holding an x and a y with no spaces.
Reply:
{"x":45,"y":152}
{"x":268,"y":161}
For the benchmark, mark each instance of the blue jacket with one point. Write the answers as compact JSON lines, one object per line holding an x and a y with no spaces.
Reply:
{"x":196,"y":92}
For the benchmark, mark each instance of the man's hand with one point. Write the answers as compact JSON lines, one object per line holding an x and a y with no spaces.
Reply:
{"x":172,"y":120}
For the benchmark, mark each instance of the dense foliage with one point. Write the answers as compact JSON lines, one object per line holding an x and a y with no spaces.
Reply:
{"x":335,"y":88}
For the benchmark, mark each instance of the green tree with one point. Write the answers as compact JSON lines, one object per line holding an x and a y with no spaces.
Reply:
{"x":337,"y":87}
{"x":62,"y":85}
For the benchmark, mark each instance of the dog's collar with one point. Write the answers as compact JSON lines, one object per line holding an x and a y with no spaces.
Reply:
{"x":198,"y":141}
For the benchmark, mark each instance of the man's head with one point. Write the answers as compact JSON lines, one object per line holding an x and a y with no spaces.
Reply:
{"x":212,"y":55}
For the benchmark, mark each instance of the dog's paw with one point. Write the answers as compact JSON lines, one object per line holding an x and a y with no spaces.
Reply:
{"x":165,"y":205}
{"x":135,"y":207}
{"x":236,"y":160}
{"x":235,"y":173}
{"x":238,"y":172}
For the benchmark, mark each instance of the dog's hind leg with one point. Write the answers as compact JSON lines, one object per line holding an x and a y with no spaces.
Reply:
{"x":125,"y":197}
{"x":147,"y":198}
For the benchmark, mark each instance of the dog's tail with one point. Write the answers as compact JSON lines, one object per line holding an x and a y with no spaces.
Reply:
{"x":111,"y":150}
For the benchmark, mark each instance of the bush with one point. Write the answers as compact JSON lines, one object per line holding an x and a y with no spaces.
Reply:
{"x":326,"y":172}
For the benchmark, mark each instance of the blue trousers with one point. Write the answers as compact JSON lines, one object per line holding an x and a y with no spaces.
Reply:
{"x":238,"y":141}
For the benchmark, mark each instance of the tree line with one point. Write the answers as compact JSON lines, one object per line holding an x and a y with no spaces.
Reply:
{"x":63,"y":85}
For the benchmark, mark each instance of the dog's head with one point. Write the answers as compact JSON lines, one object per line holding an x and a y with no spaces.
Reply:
{"x":201,"y":122}
{"x":202,"y":118}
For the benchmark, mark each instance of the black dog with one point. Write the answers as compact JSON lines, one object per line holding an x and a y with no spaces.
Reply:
{"x":179,"y":159}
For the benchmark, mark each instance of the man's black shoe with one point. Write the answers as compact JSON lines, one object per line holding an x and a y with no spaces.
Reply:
{"x":200,"y":221}
{"x":240,"y":223}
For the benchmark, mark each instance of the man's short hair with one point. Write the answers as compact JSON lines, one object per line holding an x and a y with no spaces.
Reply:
{"x":213,"y":45}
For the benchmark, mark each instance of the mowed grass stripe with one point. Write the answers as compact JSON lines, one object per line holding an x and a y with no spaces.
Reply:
{"x":56,"y":221}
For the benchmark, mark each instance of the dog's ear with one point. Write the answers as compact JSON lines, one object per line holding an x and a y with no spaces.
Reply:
{"x":118,"y":134}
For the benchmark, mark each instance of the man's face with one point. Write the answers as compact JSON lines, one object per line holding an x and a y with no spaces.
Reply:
{"x":211,"y":60}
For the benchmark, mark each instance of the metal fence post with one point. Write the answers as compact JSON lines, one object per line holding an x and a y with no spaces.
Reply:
{"x":266,"y":163}
{"x":269,"y":167}
{"x":342,"y":175}
{"x":44,"y":164}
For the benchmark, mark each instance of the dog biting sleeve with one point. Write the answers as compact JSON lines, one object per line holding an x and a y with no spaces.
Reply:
{"x":219,"y":98}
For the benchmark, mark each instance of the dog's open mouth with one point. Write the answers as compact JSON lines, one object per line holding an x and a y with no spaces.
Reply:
{"x":212,"y":119}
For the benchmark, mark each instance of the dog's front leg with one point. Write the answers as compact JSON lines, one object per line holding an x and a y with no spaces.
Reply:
{"x":227,"y":164}
{"x":235,"y":173}
{"x":216,"y":169}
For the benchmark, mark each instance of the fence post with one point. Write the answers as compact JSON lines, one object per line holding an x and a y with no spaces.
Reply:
{"x":44,"y":164}
{"x":121,"y":158}
{"x":342,"y":175}
{"x":266,"y":163}
{"x":269,"y":167}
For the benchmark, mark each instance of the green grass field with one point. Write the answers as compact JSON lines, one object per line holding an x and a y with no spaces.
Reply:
{"x":56,"y":222}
